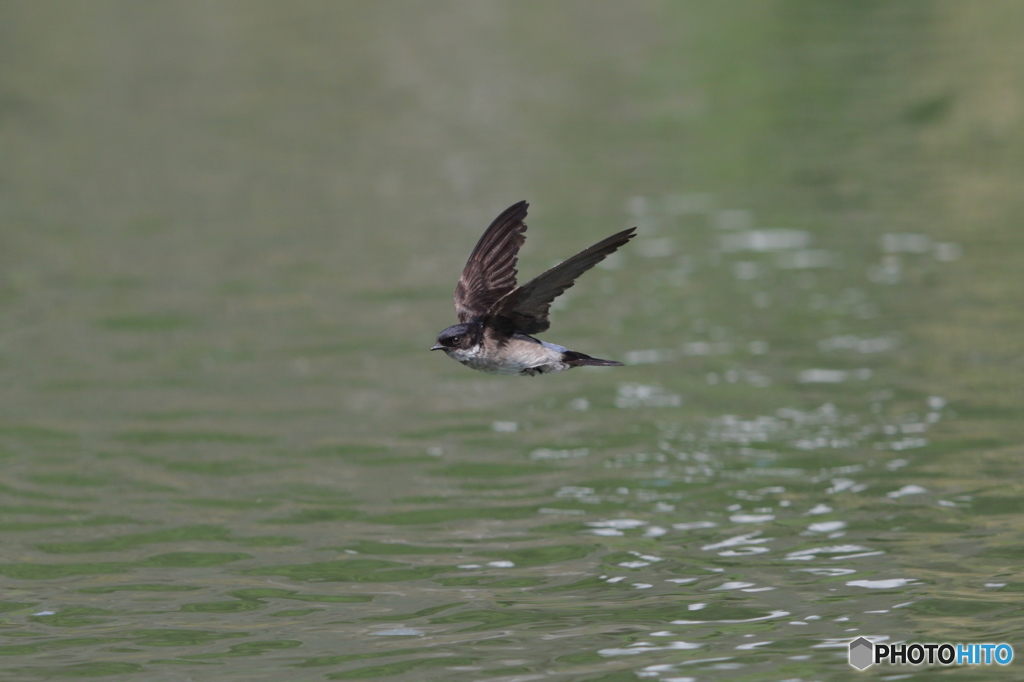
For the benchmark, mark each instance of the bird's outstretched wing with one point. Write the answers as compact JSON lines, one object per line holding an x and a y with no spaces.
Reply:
{"x":526,"y":309}
{"x":490,"y":272}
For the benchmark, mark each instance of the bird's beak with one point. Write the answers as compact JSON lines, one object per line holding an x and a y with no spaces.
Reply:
{"x":437,"y":346}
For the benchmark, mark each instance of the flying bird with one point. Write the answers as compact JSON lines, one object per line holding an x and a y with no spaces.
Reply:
{"x":497,"y":318}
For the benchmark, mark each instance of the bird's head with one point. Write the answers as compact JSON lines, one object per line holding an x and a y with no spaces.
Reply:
{"x":456,"y":337}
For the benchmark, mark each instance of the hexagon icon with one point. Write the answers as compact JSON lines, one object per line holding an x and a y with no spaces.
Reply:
{"x":861,"y":653}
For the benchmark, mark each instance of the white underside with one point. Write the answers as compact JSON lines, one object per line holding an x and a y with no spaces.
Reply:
{"x":519,"y":356}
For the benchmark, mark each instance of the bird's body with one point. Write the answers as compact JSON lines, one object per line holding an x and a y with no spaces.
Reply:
{"x":520,"y":354}
{"x":497,"y":318}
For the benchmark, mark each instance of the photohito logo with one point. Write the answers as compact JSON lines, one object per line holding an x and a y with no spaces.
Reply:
{"x":864,"y":653}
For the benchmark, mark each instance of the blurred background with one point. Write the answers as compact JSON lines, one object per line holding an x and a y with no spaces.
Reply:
{"x":230,"y":231}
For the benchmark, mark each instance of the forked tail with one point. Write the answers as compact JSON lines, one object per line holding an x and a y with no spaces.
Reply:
{"x":574,"y":359}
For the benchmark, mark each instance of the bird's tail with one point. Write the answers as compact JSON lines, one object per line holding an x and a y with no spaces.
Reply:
{"x":574,"y":359}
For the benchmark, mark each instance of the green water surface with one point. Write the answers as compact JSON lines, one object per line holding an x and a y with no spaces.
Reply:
{"x":229,"y":233}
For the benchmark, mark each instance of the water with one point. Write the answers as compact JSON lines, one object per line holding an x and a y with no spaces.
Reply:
{"x":230,"y":233}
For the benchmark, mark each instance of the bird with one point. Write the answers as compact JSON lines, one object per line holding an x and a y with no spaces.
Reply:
{"x":497,"y":318}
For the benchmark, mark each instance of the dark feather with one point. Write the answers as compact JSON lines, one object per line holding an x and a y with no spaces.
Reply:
{"x":490,"y":272}
{"x":526,"y":309}
{"x":571,"y":357}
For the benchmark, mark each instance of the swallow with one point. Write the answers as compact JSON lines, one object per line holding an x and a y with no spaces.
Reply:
{"x":497,"y":318}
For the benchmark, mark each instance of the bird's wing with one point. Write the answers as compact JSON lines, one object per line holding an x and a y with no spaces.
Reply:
{"x":490,"y":272}
{"x":526,"y":309}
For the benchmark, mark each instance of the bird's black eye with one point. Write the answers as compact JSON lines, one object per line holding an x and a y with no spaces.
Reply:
{"x":456,"y":340}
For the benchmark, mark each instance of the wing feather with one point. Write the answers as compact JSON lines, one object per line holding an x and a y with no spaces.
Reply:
{"x":526,"y":308}
{"x":490,"y":272}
